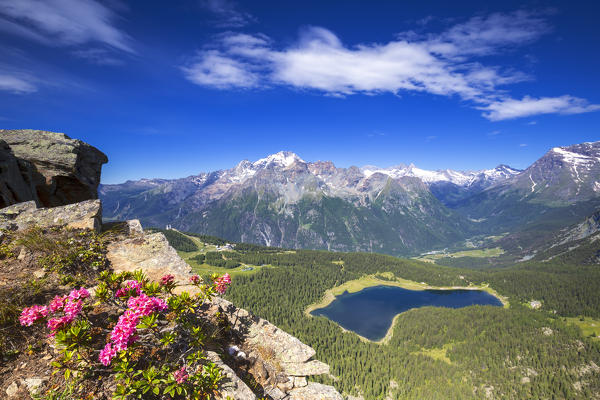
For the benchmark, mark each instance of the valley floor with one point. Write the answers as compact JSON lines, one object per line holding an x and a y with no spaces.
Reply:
{"x":431,"y":352}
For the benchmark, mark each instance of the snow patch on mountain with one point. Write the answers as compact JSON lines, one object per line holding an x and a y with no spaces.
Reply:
{"x":460,"y":178}
{"x":574,"y":158}
{"x":281,"y":159}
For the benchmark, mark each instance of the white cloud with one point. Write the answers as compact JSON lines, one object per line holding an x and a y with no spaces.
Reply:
{"x":513,"y":108}
{"x":215,"y":70}
{"x":64,"y":22}
{"x":97,"y":56}
{"x":16,"y":84}
{"x":446,"y":64}
{"x":320,"y":61}
{"x":485,"y":35}
{"x":227,"y":14}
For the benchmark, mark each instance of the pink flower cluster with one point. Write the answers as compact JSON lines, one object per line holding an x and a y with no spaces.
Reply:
{"x":181,"y":375}
{"x":144,"y":305}
{"x":82,"y":293}
{"x":222,"y":282}
{"x":167,"y":280}
{"x":194,"y":279}
{"x":31,"y":314}
{"x":124,"y":333}
{"x":57,"y":303}
{"x":132,"y":288}
{"x":71,"y":305}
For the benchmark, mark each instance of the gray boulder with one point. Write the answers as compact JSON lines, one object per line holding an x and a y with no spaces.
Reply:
{"x":151,"y":253}
{"x":315,"y":391}
{"x":84,"y":215}
{"x":55,"y":169}
{"x":14,"y":186}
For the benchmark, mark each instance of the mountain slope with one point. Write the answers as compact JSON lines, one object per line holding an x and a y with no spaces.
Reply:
{"x":562,"y":186}
{"x":282,"y":200}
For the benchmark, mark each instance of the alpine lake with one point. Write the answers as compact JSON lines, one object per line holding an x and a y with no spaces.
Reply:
{"x":370,"y":312}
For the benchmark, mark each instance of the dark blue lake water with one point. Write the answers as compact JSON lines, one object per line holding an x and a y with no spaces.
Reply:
{"x":370,"y":311}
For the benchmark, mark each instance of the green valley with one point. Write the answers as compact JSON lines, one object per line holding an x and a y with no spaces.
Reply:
{"x":431,"y":352}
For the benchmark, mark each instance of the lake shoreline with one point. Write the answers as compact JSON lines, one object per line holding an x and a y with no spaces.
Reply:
{"x":368,"y":281}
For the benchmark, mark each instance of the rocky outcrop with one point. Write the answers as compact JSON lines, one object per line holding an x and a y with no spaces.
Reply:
{"x":14,"y":186}
{"x":47,"y":167}
{"x":48,"y":180}
{"x":279,"y":362}
{"x":315,"y":391}
{"x":233,"y":387}
{"x":84,"y":215}
{"x":151,"y":253}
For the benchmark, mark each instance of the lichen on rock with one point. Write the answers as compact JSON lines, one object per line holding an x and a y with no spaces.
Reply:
{"x":83,"y":215}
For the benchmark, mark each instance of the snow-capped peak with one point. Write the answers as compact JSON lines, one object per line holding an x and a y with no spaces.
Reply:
{"x":282,"y":159}
{"x":460,"y":178}
{"x":501,"y":171}
{"x":572,"y":157}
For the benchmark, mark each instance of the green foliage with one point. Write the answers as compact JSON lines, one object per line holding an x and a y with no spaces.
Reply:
{"x":570,"y":290}
{"x":177,"y":240}
{"x":75,"y":257}
{"x":487,"y":346}
{"x":165,"y":357}
{"x":6,"y":251}
{"x":222,"y":259}
{"x":208,"y":239}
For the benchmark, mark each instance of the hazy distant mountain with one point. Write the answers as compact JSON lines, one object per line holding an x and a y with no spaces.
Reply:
{"x":281,"y":200}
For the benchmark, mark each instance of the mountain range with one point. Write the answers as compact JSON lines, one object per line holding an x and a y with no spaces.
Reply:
{"x":282,"y":200}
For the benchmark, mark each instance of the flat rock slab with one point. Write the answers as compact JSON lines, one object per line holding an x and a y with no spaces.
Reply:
{"x":315,"y":391}
{"x":313,"y":367}
{"x":151,"y":253}
{"x":83,"y":215}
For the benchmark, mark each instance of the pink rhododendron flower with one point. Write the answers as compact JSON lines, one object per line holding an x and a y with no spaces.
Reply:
{"x":132,"y":288}
{"x":124,"y":332}
{"x":81,"y":293}
{"x":222,"y":282}
{"x":167,"y":280}
{"x":194,"y":279}
{"x":73,"y":308}
{"x":55,"y":324}
{"x":180,"y":375}
{"x":57,"y":303}
{"x":107,"y":354}
{"x":31,"y":314}
{"x":144,"y":305}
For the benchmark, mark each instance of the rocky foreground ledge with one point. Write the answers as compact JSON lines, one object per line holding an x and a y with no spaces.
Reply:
{"x":277,"y":361}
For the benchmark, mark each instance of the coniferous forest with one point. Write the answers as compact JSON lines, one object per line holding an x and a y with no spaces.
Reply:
{"x":438,"y":353}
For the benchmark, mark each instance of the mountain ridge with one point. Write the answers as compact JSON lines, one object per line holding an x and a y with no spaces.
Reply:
{"x":282,"y":200}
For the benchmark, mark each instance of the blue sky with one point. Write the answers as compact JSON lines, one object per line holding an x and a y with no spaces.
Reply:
{"x":170,"y":89}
